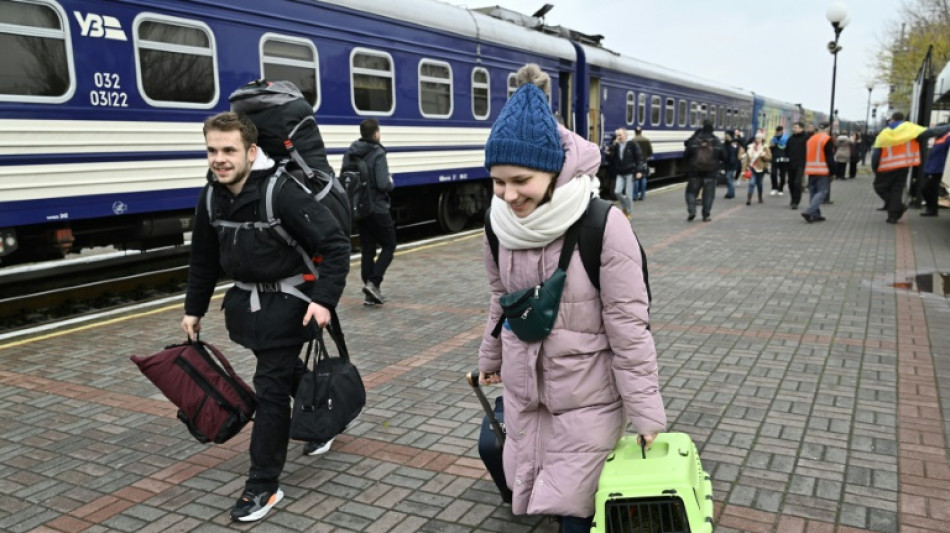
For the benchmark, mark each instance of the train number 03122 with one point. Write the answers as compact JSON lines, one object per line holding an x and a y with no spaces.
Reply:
{"x":108,"y":99}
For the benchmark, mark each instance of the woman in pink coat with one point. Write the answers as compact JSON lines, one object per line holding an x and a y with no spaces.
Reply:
{"x":569,"y":396}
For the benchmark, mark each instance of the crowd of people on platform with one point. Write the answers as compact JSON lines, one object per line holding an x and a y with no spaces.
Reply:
{"x":810,"y":157}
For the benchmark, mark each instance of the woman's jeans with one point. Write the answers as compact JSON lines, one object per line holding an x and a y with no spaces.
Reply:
{"x":756,"y":182}
{"x":730,"y":183}
{"x":573,"y":524}
{"x":624,"y":191}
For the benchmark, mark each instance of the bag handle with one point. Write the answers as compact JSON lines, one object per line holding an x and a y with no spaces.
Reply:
{"x":335,"y":330}
{"x":217,"y":355}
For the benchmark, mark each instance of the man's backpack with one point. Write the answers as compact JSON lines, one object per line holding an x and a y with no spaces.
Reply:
{"x":704,"y":159}
{"x":358,"y":182}
{"x":287,"y":131}
{"x":590,"y":242}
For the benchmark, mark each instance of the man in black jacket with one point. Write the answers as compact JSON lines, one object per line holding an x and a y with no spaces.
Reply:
{"x":630,"y":161}
{"x":797,"y":151}
{"x":706,"y":156}
{"x":275,"y":297}
{"x":378,"y":227}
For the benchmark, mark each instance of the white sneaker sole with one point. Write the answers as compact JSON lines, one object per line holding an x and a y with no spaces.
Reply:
{"x":323,"y":449}
{"x":274,"y":499}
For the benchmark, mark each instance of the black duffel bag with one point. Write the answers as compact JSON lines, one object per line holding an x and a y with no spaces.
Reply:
{"x":329,"y":396}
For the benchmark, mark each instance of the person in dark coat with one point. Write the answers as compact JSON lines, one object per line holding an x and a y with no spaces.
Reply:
{"x":797,"y":152}
{"x":378,"y":227}
{"x":706,"y":179}
{"x":933,"y":174}
{"x":276,"y":301}
{"x":779,"y":148}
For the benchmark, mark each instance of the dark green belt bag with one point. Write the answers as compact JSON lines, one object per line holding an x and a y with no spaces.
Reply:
{"x":530,"y":313}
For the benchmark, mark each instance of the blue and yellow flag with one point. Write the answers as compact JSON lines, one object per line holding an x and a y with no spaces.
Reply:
{"x":905,"y":132}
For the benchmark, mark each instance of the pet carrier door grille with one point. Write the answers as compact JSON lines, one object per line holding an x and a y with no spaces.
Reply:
{"x":646,"y":515}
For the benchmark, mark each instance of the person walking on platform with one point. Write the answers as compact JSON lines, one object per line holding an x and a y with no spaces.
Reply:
{"x":896,"y":150}
{"x":842,"y":156}
{"x":796,"y":150}
{"x":779,"y":146}
{"x":733,"y":153}
{"x":568,"y":396}
{"x":819,"y":167}
{"x":933,"y":175}
{"x":705,"y":156}
{"x":629,"y":159}
{"x":378,"y":227}
{"x":646,"y":156}
{"x":855,"y":155}
{"x":276,"y":300}
{"x":757,"y":157}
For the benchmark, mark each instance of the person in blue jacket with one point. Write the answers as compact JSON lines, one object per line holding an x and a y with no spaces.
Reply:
{"x":933,"y":174}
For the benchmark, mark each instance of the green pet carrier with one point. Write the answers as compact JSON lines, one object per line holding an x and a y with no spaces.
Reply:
{"x":665,"y":491}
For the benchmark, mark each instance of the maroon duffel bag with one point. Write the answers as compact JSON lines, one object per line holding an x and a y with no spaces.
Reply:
{"x":214,"y":403}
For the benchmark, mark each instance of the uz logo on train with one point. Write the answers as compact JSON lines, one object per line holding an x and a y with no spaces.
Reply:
{"x":107,"y":92}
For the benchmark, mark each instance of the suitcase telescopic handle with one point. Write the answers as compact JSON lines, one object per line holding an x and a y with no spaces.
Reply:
{"x":496,"y":428}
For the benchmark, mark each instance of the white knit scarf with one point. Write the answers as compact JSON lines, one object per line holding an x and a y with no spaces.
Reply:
{"x":547,"y":222}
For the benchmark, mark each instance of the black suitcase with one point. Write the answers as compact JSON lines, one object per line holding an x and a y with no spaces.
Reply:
{"x":491,"y":440}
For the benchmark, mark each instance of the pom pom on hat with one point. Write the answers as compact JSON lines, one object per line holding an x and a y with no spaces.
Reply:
{"x":525,"y":134}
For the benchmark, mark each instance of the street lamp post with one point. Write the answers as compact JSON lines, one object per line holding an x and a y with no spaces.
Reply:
{"x":867,"y":118}
{"x":837,"y":15}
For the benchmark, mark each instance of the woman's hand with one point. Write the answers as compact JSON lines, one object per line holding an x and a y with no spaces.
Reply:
{"x":646,"y":440}
{"x":489,"y":378}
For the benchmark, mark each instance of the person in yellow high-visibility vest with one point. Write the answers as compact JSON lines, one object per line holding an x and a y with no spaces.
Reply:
{"x":897,"y":149}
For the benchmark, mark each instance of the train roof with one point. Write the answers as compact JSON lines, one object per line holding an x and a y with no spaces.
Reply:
{"x":510,"y":28}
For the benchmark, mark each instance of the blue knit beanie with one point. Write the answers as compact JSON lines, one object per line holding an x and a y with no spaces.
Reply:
{"x":525,"y":133}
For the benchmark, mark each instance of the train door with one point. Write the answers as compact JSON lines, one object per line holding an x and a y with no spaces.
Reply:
{"x":595,"y":128}
{"x":565,"y":98}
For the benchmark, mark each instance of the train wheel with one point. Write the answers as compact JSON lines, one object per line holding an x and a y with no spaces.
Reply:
{"x":451,"y":215}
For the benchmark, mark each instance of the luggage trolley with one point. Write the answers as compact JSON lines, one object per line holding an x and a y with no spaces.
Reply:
{"x":662,"y":490}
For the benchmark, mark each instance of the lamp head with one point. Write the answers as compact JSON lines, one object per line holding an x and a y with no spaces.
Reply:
{"x":869,"y":85}
{"x":837,"y":14}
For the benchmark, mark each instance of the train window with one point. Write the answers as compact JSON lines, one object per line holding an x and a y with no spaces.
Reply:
{"x":481,"y":103}
{"x":631,"y":107}
{"x":693,"y":114}
{"x":682,"y":114}
{"x":670,"y":111}
{"x":712,"y":115}
{"x":37,"y":62}
{"x":435,"y":89}
{"x":512,"y":84}
{"x":641,"y":109}
{"x":655,"y":110}
{"x":293,"y":59}
{"x":176,"y":62}
{"x":719,"y":117}
{"x":373,"y":80}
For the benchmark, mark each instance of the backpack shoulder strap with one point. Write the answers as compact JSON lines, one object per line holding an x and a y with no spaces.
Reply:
{"x":274,"y":184}
{"x":591,"y":241}
{"x":492,"y":238}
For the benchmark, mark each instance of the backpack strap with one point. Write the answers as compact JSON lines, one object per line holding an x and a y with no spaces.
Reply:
{"x":274,"y":183}
{"x":294,"y":154}
{"x":492,"y":238}
{"x":591,"y":241}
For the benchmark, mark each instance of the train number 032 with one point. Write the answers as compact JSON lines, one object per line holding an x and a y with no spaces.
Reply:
{"x":102,"y":97}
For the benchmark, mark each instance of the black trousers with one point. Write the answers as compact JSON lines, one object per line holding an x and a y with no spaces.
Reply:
{"x":376,"y":229}
{"x":931,"y":191}
{"x":852,"y":169}
{"x":275,"y":381}
{"x":795,"y":176}
{"x":890,"y":187}
{"x":708,"y":184}
{"x":779,"y":173}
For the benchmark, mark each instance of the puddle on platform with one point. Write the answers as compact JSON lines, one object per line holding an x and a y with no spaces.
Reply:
{"x":932,"y":282}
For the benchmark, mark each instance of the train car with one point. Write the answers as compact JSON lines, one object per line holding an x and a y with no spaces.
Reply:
{"x":102,"y":101}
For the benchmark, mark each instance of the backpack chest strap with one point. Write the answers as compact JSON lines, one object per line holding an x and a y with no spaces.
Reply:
{"x":286,"y":286}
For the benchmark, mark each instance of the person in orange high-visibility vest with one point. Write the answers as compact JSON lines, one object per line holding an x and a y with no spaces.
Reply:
{"x":897,"y":149}
{"x":819,"y":166}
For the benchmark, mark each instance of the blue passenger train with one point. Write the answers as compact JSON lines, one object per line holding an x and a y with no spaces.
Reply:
{"x":102,"y":101}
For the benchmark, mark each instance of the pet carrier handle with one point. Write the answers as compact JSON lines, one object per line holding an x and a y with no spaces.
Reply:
{"x":472,"y":378}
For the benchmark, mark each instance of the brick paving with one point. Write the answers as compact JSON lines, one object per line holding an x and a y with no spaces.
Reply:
{"x":818,"y":394}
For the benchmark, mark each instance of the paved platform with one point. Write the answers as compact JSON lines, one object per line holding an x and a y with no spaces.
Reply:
{"x":812,"y":386}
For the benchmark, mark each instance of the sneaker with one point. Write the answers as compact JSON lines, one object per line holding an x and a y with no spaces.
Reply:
{"x":707,"y":219}
{"x":372,"y":292}
{"x":780,"y":193}
{"x":773,"y":193}
{"x":368,"y":302}
{"x":254,"y":505}
{"x":794,"y":206}
{"x":317,"y":448}
{"x":691,"y":217}
{"x":929,"y":214}
{"x":807,"y":217}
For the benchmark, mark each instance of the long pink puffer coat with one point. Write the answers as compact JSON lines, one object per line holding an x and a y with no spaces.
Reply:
{"x":565,"y":396}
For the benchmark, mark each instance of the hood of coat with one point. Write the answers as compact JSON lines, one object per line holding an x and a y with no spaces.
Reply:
{"x":581,"y":157}
{"x":361,"y":147}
